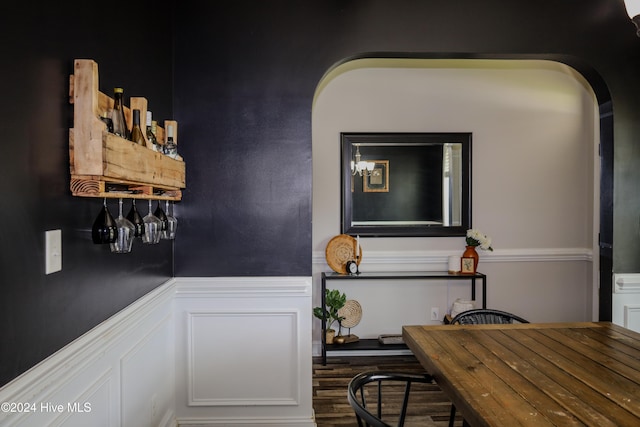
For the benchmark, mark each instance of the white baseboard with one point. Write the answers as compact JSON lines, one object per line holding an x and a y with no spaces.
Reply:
{"x":239,"y":422}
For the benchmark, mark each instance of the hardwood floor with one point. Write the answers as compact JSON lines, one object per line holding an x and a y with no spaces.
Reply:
{"x":429,"y":406}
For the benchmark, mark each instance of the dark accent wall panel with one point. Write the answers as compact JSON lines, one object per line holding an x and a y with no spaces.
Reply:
{"x":42,"y":313}
{"x":246,"y":73}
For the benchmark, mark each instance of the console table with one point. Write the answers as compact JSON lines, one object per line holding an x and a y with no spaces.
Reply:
{"x":373,"y":344}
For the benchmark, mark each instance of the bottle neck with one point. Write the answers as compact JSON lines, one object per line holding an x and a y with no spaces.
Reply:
{"x":136,"y":118}
{"x":117,"y":100}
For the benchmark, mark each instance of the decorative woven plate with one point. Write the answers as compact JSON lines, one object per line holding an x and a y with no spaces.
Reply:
{"x":352,"y":313}
{"x":340,"y":249}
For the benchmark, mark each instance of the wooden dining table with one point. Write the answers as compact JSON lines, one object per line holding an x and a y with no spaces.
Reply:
{"x":535,"y":374}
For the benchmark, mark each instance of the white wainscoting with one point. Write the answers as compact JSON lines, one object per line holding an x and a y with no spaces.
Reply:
{"x":626,"y":300}
{"x":193,"y":352}
{"x":244,"y":351}
{"x":121,"y":373}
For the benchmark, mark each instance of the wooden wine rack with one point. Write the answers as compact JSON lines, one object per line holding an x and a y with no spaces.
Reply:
{"x":105,"y":165}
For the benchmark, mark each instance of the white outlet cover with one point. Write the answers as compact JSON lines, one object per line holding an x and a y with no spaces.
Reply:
{"x":53,"y":251}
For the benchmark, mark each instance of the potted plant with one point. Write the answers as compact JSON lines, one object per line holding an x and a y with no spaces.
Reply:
{"x":334,"y":300}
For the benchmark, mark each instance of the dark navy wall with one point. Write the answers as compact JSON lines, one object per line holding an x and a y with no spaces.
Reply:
{"x":246,"y":72}
{"x":41,"y":313}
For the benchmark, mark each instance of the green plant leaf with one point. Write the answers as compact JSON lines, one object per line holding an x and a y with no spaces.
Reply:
{"x":334,"y":301}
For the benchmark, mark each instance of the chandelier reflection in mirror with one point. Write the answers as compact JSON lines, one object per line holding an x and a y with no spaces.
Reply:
{"x":359,"y":166}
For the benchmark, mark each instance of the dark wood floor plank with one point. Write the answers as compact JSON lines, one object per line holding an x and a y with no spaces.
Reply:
{"x":429,"y":406}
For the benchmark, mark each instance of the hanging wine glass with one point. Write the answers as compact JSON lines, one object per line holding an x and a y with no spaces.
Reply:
{"x":136,"y":219}
{"x":172,"y":224}
{"x":152,"y":228}
{"x":126,"y":233}
{"x":159,"y":213}
{"x":104,"y":227}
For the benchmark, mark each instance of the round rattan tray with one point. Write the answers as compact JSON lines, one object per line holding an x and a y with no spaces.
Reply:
{"x":340,"y":249}
{"x":352,"y":313}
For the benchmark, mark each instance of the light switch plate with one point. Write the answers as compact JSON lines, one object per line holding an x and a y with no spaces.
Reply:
{"x":53,"y":251}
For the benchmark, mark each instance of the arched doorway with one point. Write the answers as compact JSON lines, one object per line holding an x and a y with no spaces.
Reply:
{"x":507,"y":106}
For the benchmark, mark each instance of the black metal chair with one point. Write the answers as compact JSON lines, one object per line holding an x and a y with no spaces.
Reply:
{"x":482,"y":316}
{"x":486,"y":316}
{"x":379,"y":380}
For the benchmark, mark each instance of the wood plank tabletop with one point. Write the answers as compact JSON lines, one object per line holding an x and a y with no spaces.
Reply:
{"x":535,"y":374}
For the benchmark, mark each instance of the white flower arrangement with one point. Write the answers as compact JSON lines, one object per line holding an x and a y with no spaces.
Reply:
{"x":477,"y":238}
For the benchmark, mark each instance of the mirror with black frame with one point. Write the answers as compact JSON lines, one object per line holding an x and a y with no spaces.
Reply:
{"x":406,"y":184}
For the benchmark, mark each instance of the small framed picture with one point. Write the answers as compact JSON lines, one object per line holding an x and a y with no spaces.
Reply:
{"x":378,"y":181}
{"x":467,"y":266}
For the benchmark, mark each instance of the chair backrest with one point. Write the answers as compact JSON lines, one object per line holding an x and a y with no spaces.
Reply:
{"x":364,"y":413}
{"x":486,"y":316}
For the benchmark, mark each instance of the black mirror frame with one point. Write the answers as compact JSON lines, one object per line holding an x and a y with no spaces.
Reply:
{"x":348,"y":140}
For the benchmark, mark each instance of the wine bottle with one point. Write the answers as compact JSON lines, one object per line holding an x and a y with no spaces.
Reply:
{"x":154,"y":131}
{"x":170,"y":148}
{"x":117,"y":117}
{"x":136,"y":132}
{"x":151,"y":134}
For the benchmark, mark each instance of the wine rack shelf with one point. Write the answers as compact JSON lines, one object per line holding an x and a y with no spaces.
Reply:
{"x":105,"y":165}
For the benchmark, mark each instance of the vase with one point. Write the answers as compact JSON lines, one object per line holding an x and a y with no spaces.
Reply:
{"x":470,"y":252}
{"x":329,"y":336}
